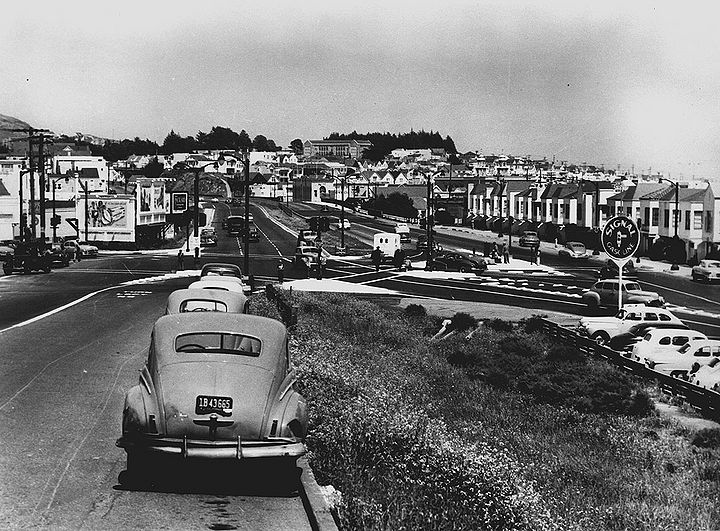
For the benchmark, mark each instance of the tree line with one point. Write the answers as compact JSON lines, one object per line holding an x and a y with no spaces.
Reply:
{"x":384,"y":143}
{"x":222,"y":138}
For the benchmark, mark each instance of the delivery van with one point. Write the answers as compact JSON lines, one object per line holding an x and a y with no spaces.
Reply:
{"x":389,"y":242}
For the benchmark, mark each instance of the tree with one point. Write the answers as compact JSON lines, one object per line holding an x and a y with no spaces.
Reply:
{"x":297,"y":146}
{"x":174,"y":143}
{"x":154,"y":168}
{"x":396,"y":203}
{"x":260,"y":143}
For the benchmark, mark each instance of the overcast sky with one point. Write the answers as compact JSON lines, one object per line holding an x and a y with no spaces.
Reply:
{"x":602,"y":82}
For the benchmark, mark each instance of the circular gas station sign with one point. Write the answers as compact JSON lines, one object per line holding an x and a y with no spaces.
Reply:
{"x":620,"y":238}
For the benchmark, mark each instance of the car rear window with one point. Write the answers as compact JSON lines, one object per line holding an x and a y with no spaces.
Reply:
{"x":202,"y":305}
{"x":220,"y":342}
{"x":664,"y":317}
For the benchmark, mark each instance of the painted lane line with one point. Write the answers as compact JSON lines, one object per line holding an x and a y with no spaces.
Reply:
{"x":682,"y":293}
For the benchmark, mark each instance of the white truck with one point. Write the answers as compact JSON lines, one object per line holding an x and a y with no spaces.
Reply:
{"x":404,"y":231}
{"x":388,"y":242}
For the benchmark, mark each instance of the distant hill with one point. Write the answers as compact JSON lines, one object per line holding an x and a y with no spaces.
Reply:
{"x":10,"y":122}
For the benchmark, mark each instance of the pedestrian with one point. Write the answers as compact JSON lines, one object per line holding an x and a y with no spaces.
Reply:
{"x":505,"y":254}
{"x":196,"y":257}
{"x":78,"y":252}
{"x":280,"y":272}
{"x":533,"y":255}
{"x":399,"y":259}
{"x":376,"y":257}
{"x":180,"y":260}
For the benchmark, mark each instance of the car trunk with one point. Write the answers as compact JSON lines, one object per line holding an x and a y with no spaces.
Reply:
{"x":183,"y":383}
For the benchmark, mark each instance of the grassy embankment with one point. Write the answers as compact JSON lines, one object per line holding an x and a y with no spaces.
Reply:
{"x":501,"y":430}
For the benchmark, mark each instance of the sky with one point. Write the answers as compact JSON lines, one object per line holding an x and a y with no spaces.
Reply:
{"x":634,"y":84}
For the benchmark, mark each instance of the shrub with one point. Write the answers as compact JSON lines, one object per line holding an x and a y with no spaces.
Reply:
{"x":462,"y":321}
{"x":499,"y":325}
{"x":415,"y":310}
{"x":532,"y":324}
{"x":707,"y":438}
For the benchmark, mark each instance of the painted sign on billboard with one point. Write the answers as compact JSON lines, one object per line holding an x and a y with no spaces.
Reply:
{"x":109,"y":218}
{"x":110,"y":214}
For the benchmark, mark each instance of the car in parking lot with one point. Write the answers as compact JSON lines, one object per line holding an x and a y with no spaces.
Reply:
{"x":221,"y":284}
{"x":343,"y":223}
{"x":27,"y":257}
{"x":706,"y":376}
{"x":607,"y":293}
{"x":665,"y":339}
{"x":422,"y":243}
{"x":574,"y":251}
{"x":603,"y":329}
{"x":453,"y":261}
{"x":679,"y":363}
{"x":529,"y":238}
{"x":216,"y":386}
{"x":59,"y":255}
{"x":706,"y":271}
{"x":86,"y":250}
{"x":206,"y":300}
{"x":624,"y":342}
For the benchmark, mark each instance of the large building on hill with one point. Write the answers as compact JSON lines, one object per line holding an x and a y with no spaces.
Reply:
{"x":336,"y":148}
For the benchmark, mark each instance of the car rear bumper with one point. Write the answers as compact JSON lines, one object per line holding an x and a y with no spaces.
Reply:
{"x":192,"y":448}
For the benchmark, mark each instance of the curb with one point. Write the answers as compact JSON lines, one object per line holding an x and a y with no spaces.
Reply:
{"x":316,"y":508}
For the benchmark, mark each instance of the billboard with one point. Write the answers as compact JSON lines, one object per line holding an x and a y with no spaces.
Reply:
{"x":109,"y":218}
{"x":151,"y":198}
{"x":178,"y":202}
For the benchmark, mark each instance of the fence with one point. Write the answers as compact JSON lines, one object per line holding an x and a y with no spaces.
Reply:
{"x":703,"y":399}
{"x":283,"y":301}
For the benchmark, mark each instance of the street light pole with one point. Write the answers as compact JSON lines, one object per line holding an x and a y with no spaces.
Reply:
{"x":22,"y":206}
{"x":429,"y":224}
{"x":54,"y":224}
{"x":342,"y":214}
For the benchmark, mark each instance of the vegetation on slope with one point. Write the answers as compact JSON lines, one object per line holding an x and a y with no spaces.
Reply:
{"x":414,"y":435}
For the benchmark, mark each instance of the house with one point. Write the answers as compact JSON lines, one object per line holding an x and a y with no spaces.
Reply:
{"x":336,"y":148}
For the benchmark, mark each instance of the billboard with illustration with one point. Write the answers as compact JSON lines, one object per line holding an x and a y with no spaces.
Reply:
{"x":109,"y":218}
{"x":151,"y":200}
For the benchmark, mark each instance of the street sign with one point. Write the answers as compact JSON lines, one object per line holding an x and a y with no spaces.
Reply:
{"x":620,"y":238}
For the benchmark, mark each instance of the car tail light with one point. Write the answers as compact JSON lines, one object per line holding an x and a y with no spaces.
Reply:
{"x":273,"y":429}
{"x":151,"y":424}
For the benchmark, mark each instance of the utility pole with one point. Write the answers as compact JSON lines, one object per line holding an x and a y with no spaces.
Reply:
{"x":246,"y":251}
{"x":41,"y":163}
{"x":429,"y":225}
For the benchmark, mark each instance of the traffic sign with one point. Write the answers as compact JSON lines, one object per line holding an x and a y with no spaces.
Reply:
{"x":620,"y":238}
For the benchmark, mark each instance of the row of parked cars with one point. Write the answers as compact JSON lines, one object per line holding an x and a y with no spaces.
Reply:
{"x":217,"y":384}
{"x":38,"y":255}
{"x":656,"y":338}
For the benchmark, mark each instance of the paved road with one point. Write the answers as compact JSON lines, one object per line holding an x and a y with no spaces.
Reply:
{"x":62,"y":385}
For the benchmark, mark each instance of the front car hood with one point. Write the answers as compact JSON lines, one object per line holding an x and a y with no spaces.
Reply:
{"x":248,"y":386}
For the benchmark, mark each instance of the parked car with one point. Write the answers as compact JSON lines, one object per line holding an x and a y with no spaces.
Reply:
{"x":679,"y":363}
{"x":605,"y":293}
{"x":343,"y":222}
{"x":215,"y":386}
{"x":221,"y":269}
{"x":220,"y":283}
{"x":86,"y":250}
{"x":28,"y":257}
{"x":610,"y":270}
{"x":453,"y":261}
{"x":529,"y":238}
{"x":307,"y":257}
{"x":625,"y":341}
{"x":574,"y":251}
{"x":668,"y":338}
{"x":706,"y":271}
{"x":706,"y":376}
{"x":306,"y":235}
{"x":7,"y":248}
{"x":603,"y":329}
{"x":206,"y":300}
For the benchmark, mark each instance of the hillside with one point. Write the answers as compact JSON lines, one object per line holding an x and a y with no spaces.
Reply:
{"x":10,"y":122}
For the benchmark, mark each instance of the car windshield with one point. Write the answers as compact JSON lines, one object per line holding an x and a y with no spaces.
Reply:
{"x":576,"y":246}
{"x":713,"y":264}
{"x":220,"y":342}
{"x":201,"y":305}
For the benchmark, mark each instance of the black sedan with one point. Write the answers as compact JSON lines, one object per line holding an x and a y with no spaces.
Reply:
{"x":452,"y":261}
{"x":625,"y":341}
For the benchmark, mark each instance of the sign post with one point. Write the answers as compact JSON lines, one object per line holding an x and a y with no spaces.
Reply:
{"x":620,"y":238}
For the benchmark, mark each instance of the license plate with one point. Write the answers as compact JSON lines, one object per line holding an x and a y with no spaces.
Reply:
{"x":213,"y":404}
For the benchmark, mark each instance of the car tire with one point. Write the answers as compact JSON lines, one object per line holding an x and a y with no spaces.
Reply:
{"x":136,"y":471}
{"x":677,"y":374}
{"x":601,"y":338}
{"x":463,"y":269}
{"x":7,"y":270}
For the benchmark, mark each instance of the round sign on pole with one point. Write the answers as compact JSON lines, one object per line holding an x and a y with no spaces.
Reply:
{"x":620,"y":238}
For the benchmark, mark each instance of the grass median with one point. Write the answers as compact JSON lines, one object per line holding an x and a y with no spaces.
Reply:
{"x":494,"y":429}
